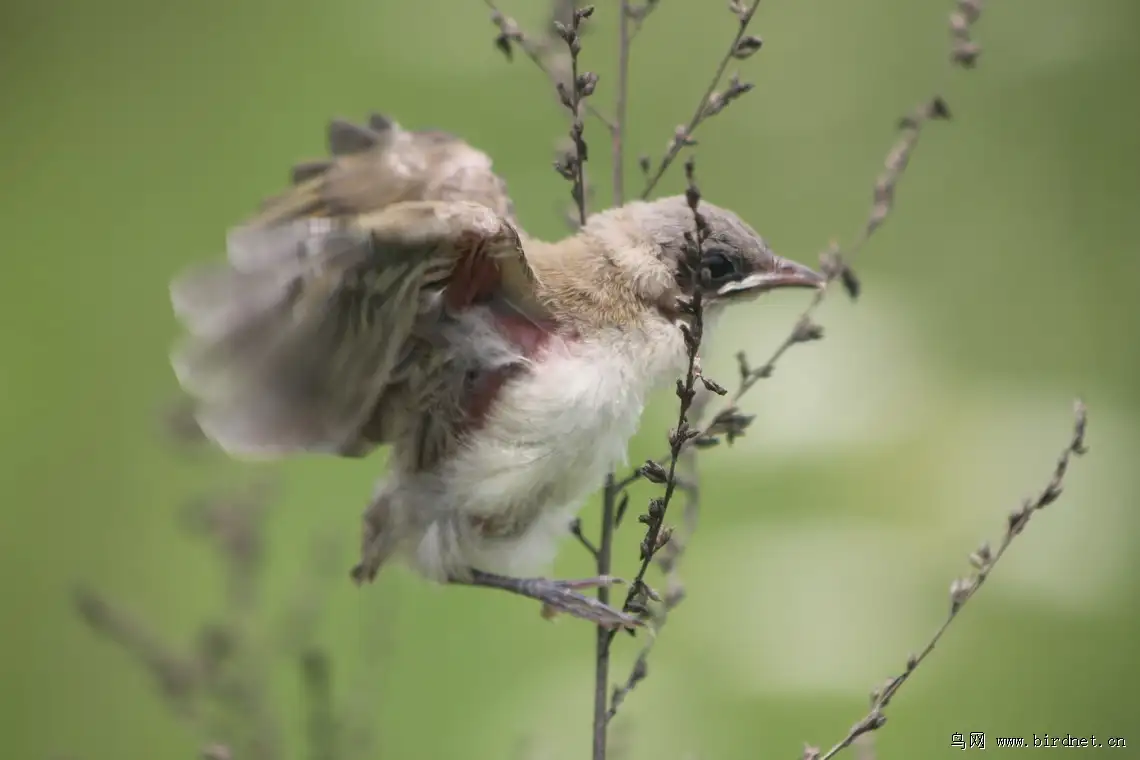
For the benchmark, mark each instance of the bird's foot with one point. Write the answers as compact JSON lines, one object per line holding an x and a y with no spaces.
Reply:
{"x":559,"y":596}
{"x":371,"y":559}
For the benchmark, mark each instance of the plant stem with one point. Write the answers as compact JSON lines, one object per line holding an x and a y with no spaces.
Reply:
{"x":602,"y":636}
{"x":610,"y":492}
{"x":618,"y":131}
{"x":702,"y":107}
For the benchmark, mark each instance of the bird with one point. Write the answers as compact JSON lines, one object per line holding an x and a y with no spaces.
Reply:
{"x":390,"y":298}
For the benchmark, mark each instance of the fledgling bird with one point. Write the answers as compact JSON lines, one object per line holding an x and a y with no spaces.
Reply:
{"x":390,"y":297}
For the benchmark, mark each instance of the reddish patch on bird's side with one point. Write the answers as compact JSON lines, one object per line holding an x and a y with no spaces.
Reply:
{"x":531,"y":338}
{"x":476,"y":278}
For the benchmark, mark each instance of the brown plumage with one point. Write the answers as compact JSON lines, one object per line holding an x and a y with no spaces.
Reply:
{"x":391,"y":297}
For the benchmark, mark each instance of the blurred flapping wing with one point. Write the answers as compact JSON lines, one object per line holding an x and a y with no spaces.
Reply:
{"x":293,"y":341}
{"x":374,"y":166}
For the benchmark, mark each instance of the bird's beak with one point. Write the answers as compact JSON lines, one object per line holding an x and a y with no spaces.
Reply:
{"x":785,"y":274}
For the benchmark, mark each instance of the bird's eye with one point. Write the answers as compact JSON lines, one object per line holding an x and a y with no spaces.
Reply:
{"x":719,"y":267}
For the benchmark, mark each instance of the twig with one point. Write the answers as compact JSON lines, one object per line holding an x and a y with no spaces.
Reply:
{"x":234,"y":523}
{"x":510,"y":33}
{"x":177,"y":677}
{"x":220,"y":685}
{"x":320,"y":726}
{"x":603,"y":554}
{"x":621,"y":109}
{"x":657,"y":534}
{"x":587,"y":544}
{"x":962,"y":590}
{"x":712,"y":102}
{"x":729,"y":422}
{"x":662,"y":544}
{"x":602,"y":636}
{"x":571,"y":165}
{"x":964,"y":54}
{"x":668,"y":559}
{"x":657,"y":537}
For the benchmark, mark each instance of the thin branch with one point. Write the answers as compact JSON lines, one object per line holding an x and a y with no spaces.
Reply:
{"x":657,"y":535}
{"x":571,"y":165}
{"x":836,"y":266}
{"x":320,"y":724}
{"x":668,"y":559}
{"x":220,"y":685}
{"x":712,"y":102}
{"x":578,"y":533}
{"x":510,"y":33}
{"x":962,"y":590}
{"x":603,"y":554}
{"x":729,"y":422}
{"x":659,"y":539}
{"x":603,"y":636}
{"x":178,"y":677}
{"x":622,"y":103}
{"x":235,"y":524}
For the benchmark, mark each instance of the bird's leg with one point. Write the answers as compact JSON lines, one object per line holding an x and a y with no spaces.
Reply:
{"x":381,"y":529}
{"x":557,"y":596}
{"x":378,"y":534}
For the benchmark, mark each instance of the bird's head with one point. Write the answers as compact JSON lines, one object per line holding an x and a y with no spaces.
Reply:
{"x":647,"y":249}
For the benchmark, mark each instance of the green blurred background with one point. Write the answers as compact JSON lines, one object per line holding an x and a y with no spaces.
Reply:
{"x":134,"y":133}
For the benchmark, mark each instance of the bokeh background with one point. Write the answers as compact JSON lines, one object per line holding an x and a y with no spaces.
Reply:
{"x":134,"y":133}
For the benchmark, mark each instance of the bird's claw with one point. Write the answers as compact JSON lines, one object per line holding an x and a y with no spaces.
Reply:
{"x":557,"y":596}
{"x":563,"y":597}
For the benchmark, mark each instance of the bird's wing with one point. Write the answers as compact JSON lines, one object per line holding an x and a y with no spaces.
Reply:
{"x":292,"y":350}
{"x":375,"y":165}
{"x":293,"y":342}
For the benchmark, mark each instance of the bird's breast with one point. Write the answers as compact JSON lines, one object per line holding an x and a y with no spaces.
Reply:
{"x":550,"y":429}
